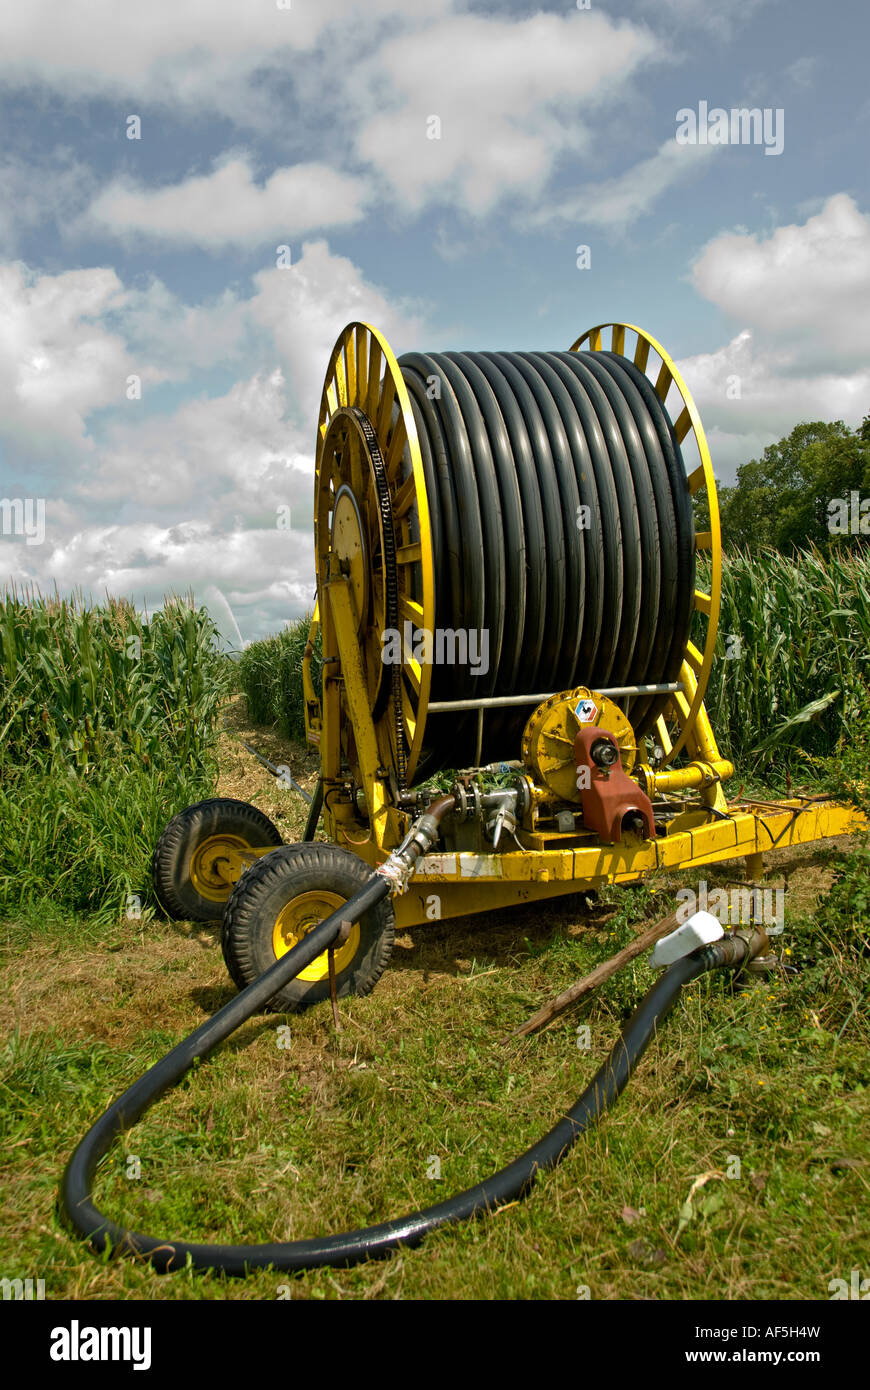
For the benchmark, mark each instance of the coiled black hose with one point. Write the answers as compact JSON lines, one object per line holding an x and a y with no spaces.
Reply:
{"x":350,"y":1247}
{"x":513,"y":444}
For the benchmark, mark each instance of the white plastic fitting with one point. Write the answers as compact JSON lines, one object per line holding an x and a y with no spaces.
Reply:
{"x":700,"y":929}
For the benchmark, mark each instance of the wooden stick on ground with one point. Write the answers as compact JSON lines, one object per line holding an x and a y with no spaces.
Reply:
{"x":597,"y":976}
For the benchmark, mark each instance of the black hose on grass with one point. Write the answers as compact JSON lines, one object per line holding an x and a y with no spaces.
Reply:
{"x":352,"y":1247}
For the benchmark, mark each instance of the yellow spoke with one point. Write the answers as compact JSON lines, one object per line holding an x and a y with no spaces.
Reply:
{"x":696,"y":479}
{"x":694,"y":658}
{"x":396,"y":447}
{"x":385,"y":408}
{"x":683,"y":424}
{"x":362,"y":363}
{"x":663,"y":381}
{"x":350,"y":367}
{"x":404,"y":497}
{"x":410,"y":609}
{"x":376,"y":358}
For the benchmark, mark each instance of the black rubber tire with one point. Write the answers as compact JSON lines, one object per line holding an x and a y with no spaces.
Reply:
{"x":170,"y":862}
{"x":267,"y":888}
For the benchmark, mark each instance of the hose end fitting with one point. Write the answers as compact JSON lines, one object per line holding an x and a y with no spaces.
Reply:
{"x":421,"y":837}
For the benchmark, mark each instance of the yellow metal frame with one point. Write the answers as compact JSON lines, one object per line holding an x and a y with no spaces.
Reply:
{"x":469,"y":883}
{"x":466,"y":883}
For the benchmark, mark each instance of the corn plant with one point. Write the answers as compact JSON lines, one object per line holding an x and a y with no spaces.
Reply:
{"x":108,"y":725}
{"x":793,"y":655}
{"x":270,"y":674}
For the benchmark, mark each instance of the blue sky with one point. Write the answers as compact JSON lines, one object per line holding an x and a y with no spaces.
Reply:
{"x":305,"y":125}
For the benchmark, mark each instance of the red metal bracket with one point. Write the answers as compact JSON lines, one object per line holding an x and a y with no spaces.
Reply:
{"x":606,"y":793}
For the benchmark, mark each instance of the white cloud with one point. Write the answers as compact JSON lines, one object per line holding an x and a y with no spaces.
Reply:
{"x":227,"y":207}
{"x":147,"y":561}
{"x":806,"y":286}
{"x":58,"y":359}
{"x":620,"y":201}
{"x":222,"y":457}
{"x":802,"y":71}
{"x":801,"y":295}
{"x":722,"y":20}
{"x":516,"y":97}
{"x":510,"y":95}
{"x":774,"y":396}
{"x":205,"y":55}
{"x":305,"y":308}
{"x":143,"y":503}
{"x":159,"y":327}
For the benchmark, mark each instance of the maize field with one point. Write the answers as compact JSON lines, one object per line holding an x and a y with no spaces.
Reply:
{"x":108,"y":724}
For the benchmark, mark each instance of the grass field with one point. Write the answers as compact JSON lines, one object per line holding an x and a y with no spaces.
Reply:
{"x":269,"y":1142}
{"x":735,"y":1165}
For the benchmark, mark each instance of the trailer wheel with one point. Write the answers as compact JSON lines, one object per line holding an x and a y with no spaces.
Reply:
{"x":280,"y":899}
{"x":184,"y":866}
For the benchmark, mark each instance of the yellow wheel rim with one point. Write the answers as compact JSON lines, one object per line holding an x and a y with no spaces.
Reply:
{"x":686,"y":708}
{"x":298,"y":918}
{"x":205,"y":863}
{"x":363,"y":373}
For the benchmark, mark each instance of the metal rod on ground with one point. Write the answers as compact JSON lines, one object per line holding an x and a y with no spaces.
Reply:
{"x":282,"y":772}
{"x":597,"y":976}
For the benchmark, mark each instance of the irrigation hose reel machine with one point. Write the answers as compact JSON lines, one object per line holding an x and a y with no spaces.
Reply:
{"x":538,"y":507}
{"x":506,"y":554}
{"x":505,"y":558}
{"x":535,"y":510}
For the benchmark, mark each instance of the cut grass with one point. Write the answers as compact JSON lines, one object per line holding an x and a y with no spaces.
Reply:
{"x":264,"y":1143}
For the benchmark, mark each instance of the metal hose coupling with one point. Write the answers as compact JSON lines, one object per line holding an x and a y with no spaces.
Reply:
{"x":422,"y":836}
{"x":736,"y":949}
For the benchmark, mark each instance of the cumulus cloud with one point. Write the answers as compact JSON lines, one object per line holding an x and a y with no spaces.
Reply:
{"x":215,"y":493}
{"x":58,"y":360}
{"x":227,"y":207}
{"x":204,"y":55}
{"x":516,"y":98}
{"x":264,"y":575}
{"x":750,"y":394}
{"x":802,"y":297}
{"x":160,"y":327}
{"x":305,"y":308}
{"x":511,"y":97}
{"x":804,"y":285}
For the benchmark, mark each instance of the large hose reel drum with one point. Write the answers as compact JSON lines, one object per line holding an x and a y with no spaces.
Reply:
{"x":513,"y":525}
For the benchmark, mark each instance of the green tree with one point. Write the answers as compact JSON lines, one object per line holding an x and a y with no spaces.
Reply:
{"x":782,"y":499}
